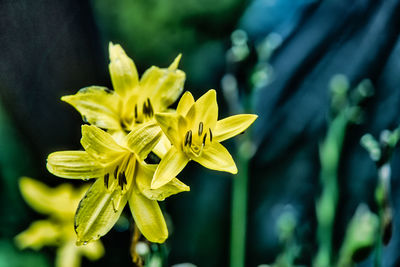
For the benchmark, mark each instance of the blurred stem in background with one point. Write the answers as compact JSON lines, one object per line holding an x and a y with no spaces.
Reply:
{"x":260,"y":76}
{"x":381,"y":152}
{"x":238,"y":52}
{"x":326,"y":205}
{"x":347,"y":110}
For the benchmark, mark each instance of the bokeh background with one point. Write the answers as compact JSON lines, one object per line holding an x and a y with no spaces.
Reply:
{"x":282,"y":61}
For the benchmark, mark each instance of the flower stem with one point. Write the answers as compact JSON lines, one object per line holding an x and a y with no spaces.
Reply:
{"x":239,"y":212}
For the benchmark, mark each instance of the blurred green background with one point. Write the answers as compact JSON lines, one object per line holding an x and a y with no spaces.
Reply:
{"x":279,"y":66}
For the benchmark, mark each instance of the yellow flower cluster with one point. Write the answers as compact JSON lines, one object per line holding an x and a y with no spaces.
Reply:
{"x":135,"y":145}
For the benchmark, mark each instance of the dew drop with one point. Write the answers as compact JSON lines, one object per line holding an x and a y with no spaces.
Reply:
{"x":85,"y":243}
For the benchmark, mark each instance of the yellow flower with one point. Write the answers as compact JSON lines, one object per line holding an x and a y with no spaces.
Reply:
{"x":60,"y":204}
{"x":196,"y":133}
{"x":122,"y":176}
{"x":133,"y":101}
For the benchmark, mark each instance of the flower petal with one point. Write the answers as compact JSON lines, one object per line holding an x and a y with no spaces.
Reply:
{"x":143,"y":139}
{"x":233,"y":125}
{"x":123,"y":71}
{"x":148,"y":217}
{"x":39,"y":234}
{"x":97,"y":212}
{"x":175,"y":63}
{"x":185,"y":103}
{"x":99,"y":144}
{"x":74,"y":165}
{"x":144,"y":176}
{"x":172,"y":124}
{"x":162,"y":86}
{"x":216,"y":157}
{"x":171,"y":164}
{"x":205,"y":110}
{"x":93,"y":250}
{"x":97,"y":105}
{"x":60,"y":201}
{"x":68,"y":255}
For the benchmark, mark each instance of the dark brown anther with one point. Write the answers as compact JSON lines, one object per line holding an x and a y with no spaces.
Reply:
{"x":150,"y":108}
{"x":210,"y":134}
{"x":204,"y":139}
{"x":188,"y":138}
{"x":116,"y":172}
{"x":145,"y":110}
{"x":121,"y":180}
{"x":136,"y":114}
{"x":106,"y":178}
{"x":200,"y":128}
{"x":124,"y":178}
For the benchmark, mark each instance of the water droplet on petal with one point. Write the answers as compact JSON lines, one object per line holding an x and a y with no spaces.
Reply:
{"x":85,"y":243}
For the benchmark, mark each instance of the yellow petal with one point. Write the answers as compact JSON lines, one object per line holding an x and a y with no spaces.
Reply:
{"x":216,"y":157}
{"x":60,"y":201}
{"x":148,"y":217}
{"x":172,"y":125}
{"x":68,"y":256}
{"x":144,"y":176}
{"x":39,"y":234}
{"x":162,"y":146}
{"x":97,"y":212}
{"x":162,"y":86}
{"x":171,"y":164}
{"x":98,"y":106}
{"x":205,"y":110}
{"x":185,"y":103}
{"x":74,"y":165}
{"x":93,"y":250}
{"x":231,"y":126}
{"x":99,"y":144}
{"x":175,"y":63}
{"x":143,"y":139}
{"x":123,"y":71}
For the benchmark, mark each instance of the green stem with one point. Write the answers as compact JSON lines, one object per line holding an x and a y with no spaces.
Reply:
{"x":382,"y":197}
{"x":326,"y":205}
{"x":239,"y":212}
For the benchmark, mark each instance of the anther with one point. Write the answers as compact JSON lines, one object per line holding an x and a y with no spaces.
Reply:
{"x":145,"y":110}
{"x":210,"y":134}
{"x":200,"y":128}
{"x":204,"y":139}
{"x":106,"y":177}
{"x":136,"y":114}
{"x":150,"y":108}
{"x":116,"y":172}
{"x":188,"y":138}
{"x":121,"y":180}
{"x":124,"y":178}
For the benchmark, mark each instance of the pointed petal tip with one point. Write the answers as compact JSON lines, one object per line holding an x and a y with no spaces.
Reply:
{"x":175,"y":63}
{"x":115,"y":51}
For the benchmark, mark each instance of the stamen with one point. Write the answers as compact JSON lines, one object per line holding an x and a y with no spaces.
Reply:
{"x":204,"y":139}
{"x":116,"y":172}
{"x":210,"y":134}
{"x":106,"y":178}
{"x":136,"y":114}
{"x":145,"y":110}
{"x":121,"y":180}
{"x":150,"y":107}
{"x":124,"y":178}
{"x":188,"y":138}
{"x":200,"y":128}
